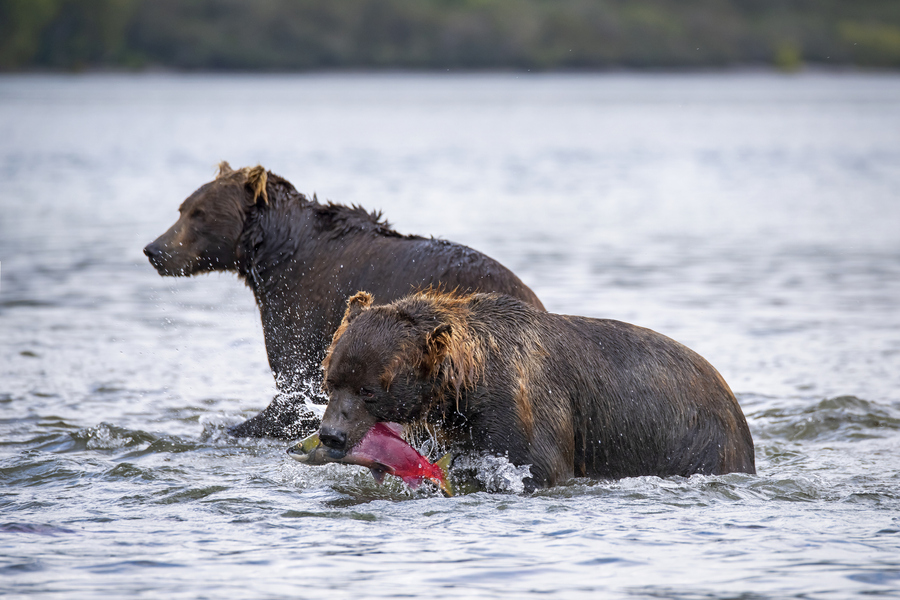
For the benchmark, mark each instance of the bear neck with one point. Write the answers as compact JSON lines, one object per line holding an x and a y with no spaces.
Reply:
{"x":293,"y":240}
{"x":292,"y":254}
{"x":270,"y":240}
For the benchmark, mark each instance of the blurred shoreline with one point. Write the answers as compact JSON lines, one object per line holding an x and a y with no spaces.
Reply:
{"x":425,"y":35}
{"x":736,"y":70}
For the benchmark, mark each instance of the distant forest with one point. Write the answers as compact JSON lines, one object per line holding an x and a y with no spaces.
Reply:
{"x":298,"y":35}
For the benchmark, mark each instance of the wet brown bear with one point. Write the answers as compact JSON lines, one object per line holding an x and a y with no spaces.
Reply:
{"x":302,"y":259}
{"x":571,"y":396}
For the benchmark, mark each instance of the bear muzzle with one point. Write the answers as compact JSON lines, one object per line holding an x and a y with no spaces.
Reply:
{"x":334,"y":438}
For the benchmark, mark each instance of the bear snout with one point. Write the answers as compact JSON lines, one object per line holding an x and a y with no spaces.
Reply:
{"x":334,"y":438}
{"x":152,"y":251}
{"x":157,"y":256}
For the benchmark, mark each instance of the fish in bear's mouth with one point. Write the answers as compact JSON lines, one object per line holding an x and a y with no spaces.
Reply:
{"x":383,"y":451}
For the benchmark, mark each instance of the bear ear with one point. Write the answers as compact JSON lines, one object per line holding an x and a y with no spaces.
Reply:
{"x":357,"y":303}
{"x":224,"y":169}
{"x":438,"y":343}
{"x":256,"y":181}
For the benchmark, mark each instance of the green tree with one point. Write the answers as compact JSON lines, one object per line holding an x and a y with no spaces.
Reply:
{"x":21,"y":23}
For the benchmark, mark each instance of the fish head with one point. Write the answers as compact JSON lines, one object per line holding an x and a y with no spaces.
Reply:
{"x":310,"y":451}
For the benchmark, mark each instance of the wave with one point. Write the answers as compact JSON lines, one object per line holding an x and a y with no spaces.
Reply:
{"x":833,"y":419}
{"x":109,"y":438}
{"x":34,"y":528}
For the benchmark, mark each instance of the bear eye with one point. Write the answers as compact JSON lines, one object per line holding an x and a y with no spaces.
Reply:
{"x":197,"y":213}
{"x":367,"y":394}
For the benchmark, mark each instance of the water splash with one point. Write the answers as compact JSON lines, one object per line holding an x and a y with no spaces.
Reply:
{"x":215,"y":428}
{"x":492,"y":473}
{"x":306,"y":392}
{"x":107,"y":436}
{"x":102,"y":437}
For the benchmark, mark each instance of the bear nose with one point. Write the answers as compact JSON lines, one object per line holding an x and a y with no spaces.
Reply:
{"x":151,"y":251}
{"x":333,"y":438}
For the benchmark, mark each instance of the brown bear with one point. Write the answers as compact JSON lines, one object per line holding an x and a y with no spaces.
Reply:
{"x":302,"y":259}
{"x":570,"y":396}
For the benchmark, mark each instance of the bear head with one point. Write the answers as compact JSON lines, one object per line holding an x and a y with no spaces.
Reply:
{"x":394,"y":363}
{"x":207,"y":234}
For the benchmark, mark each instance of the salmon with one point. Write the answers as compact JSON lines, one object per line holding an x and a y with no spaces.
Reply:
{"x":383,"y":451}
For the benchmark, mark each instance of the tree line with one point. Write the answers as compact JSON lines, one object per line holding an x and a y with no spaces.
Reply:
{"x":296,"y":35}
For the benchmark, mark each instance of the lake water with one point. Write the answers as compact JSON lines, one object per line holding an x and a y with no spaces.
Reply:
{"x":753,"y":217}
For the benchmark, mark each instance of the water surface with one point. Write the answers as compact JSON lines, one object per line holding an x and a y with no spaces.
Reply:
{"x":753,"y":217}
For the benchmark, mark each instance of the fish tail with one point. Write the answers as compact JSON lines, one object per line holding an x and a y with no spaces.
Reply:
{"x":443,"y":466}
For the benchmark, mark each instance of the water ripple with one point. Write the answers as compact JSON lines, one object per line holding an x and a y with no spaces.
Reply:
{"x":840,"y":418}
{"x":726,"y":226}
{"x":35,"y":528}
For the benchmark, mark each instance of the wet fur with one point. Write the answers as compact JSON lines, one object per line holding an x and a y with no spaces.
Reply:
{"x":571,"y":396}
{"x":302,"y":258}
